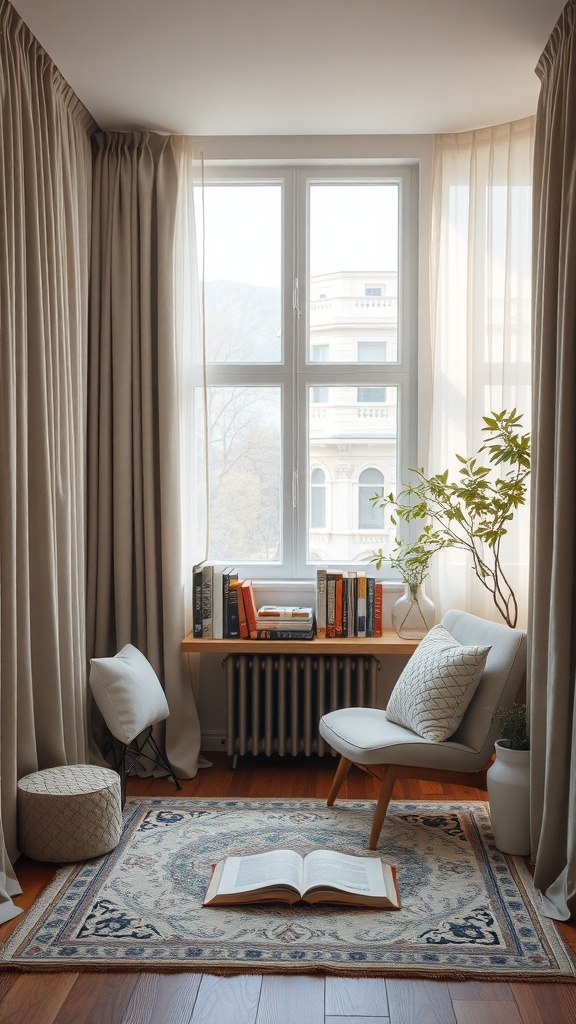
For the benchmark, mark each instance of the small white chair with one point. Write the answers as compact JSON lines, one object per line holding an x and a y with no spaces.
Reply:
{"x":130,"y":697}
{"x":389,"y":751}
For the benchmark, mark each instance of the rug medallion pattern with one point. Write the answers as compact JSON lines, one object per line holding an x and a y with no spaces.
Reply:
{"x":468,"y":911}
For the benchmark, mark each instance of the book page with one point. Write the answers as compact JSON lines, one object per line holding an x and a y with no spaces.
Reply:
{"x":362,"y":875}
{"x":244,"y":874}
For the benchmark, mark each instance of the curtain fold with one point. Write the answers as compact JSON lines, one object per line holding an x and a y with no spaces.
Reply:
{"x":45,"y":195}
{"x":137,"y":582}
{"x":480,"y":312}
{"x":552,"y":647}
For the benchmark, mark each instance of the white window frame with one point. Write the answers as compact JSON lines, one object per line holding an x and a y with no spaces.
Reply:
{"x":295,"y":373}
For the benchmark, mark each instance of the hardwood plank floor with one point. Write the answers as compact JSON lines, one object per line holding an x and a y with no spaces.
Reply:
{"x":180,"y":998}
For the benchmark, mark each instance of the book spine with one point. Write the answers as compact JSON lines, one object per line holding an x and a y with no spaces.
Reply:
{"x":370,"y":581}
{"x":321,"y":603}
{"x":378,"y":606}
{"x":250,"y":608}
{"x":338,"y":604}
{"x":330,"y":605}
{"x":242,"y":623}
{"x":361,"y":604}
{"x":207,"y":581}
{"x":197,"y":602}
{"x":232,"y":613}
{"x":217,"y":605}
{"x":351,"y":624}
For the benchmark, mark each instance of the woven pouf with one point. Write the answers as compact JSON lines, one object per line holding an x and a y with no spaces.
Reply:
{"x":69,"y":813}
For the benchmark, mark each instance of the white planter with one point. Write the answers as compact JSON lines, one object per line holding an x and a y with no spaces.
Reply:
{"x":508,"y":781}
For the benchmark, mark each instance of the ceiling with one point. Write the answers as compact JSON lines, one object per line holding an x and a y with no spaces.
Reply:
{"x":297,"y":67}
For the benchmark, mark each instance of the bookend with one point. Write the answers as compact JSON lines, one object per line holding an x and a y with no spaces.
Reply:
{"x":126,"y":755}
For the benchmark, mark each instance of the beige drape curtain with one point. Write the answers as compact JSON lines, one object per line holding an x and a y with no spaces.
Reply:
{"x":481,"y":315}
{"x":552,"y":648}
{"x":45,"y":185}
{"x":136,"y":580}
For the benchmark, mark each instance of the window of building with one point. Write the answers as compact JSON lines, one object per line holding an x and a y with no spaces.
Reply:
{"x":317,"y":499}
{"x":320,"y":395}
{"x":372,"y":396}
{"x":370,"y":515}
{"x":301,"y":369}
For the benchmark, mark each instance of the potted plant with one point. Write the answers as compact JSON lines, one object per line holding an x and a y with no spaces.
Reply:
{"x":473,"y":512}
{"x":413,"y":614}
{"x":508,"y":781}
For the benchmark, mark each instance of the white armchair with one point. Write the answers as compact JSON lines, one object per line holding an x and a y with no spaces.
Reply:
{"x":388,"y":750}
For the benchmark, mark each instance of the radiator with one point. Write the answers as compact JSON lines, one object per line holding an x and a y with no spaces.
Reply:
{"x":275,"y":702}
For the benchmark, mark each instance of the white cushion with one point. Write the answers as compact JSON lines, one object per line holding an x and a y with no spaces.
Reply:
{"x":128,"y":693}
{"x":437,"y":685}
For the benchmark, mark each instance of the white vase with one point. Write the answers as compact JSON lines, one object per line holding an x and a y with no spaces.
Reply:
{"x":413,"y":613}
{"x":508,"y":782}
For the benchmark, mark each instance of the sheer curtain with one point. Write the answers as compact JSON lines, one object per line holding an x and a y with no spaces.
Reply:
{"x":552,"y":642}
{"x":142,"y":238}
{"x":45,"y":186}
{"x":480,"y":304}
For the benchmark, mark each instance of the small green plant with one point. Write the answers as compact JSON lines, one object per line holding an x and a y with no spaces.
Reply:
{"x":471,"y":513}
{"x":411,"y":561}
{"x":513,"y":725}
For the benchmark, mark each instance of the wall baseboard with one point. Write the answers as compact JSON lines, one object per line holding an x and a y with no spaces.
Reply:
{"x":213,"y":740}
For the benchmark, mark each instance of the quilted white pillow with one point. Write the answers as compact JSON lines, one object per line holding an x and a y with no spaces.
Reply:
{"x":437,"y":685}
{"x":128,"y":693}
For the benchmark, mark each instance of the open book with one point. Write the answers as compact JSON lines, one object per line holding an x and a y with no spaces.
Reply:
{"x":323,"y":876}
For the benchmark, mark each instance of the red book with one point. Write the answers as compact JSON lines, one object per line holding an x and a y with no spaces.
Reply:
{"x":244,"y":631}
{"x":378,"y":598}
{"x":250,"y":608}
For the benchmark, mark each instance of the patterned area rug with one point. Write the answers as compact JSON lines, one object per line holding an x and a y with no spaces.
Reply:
{"x":468,"y":911}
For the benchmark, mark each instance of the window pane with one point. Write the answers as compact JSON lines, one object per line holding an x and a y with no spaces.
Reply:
{"x":242,"y":272}
{"x":370,"y":516}
{"x":318,"y":499}
{"x":353,"y":284}
{"x":356,"y":443}
{"x":245,"y":468}
{"x":371,"y":394}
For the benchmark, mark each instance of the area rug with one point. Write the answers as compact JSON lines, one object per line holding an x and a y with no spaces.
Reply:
{"x":468,"y":911}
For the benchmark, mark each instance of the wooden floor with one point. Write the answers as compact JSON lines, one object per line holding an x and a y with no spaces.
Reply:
{"x":145,"y":998}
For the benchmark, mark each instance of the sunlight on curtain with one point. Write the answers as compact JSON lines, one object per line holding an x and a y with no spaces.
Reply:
{"x":190,"y":354}
{"x":552,"y":636}
{"x":480,"y":309}
{"x":136,"y":591}
{"x":45,"y":175}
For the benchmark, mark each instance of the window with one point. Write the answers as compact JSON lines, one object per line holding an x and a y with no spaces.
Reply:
{"x":371,"y":395}
{"x":370,"y":516}
{"x":320,"y":395}
{"x":310,"y":289}
{"x":317,"y":499}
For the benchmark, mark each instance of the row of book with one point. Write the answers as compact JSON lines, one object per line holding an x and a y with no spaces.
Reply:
{"x":348,"y":604}
{"x":224,"y":607}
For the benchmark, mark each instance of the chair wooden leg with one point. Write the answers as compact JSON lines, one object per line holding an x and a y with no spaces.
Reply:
{"x":388,"y":780}
{"x":344,"y":766}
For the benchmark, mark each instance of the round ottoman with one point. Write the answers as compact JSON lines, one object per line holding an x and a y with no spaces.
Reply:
{"x":69,"y":813}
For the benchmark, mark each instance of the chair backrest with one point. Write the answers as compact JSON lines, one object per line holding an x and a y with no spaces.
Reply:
{"x":504,"y":671}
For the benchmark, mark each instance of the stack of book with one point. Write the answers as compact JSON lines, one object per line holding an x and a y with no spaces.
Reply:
{"x":224,"y":607}
{"x":348,"y":604}
{"x":284,"y":622}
